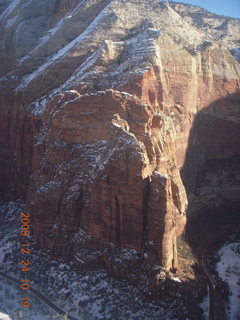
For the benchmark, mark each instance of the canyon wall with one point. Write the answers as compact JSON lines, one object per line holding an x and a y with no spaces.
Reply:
{"x":103,"y":103}
{"x":211,"y":171}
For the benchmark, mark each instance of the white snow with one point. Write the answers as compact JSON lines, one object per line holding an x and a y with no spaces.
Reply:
{"x":39,"y":105}
{"x":116,"y":125}
{"x":4,"y":249}
{"x":4,"y":316}
{"x":52,"y":31}
{"x":85,"y":67}
{"x":228,"y":269}
{"x":161,"y":175}
{"x":9,"y":9}
{"x":176,"y":279}
{"x":204,"y":305}
{"x":10,"y":298}
{"x":47,"y":186}
{"x":62,"y":52}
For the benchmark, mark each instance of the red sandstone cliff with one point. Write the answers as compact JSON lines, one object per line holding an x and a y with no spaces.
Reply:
{"x":97,"y":102}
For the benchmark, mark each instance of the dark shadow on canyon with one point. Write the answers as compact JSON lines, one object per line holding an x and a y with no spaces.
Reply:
{"x":211,"y":172}
{"x":211,"y":176}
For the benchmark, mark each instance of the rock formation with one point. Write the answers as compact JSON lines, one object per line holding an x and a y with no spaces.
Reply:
{"x":98,"y":99}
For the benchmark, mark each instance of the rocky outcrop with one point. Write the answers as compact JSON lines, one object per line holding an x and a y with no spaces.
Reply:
{"x":103,"y":152}
{"x":97,"y":108}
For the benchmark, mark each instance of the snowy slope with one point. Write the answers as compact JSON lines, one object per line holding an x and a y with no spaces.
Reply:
{"x":10,"y":297}
{"x":77,"y":33}
{"x":89,"y":296}
{"x":228,"y":269}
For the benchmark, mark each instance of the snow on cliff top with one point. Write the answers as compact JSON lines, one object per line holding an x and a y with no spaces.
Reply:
{"x":113,"y":22}
{"x":76,"y":39}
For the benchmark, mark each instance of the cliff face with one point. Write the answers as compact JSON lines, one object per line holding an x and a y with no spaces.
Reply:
{"x":102,"y":162}
{"x":97,"y":102}
{"x":211,"y":171}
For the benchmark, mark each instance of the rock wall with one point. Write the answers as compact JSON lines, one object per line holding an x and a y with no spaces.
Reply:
{"x":16,"y":146}
{"x":99,"y":150}
{"x":211,"y":171}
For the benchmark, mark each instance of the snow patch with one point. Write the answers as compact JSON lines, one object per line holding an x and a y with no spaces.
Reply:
{"x":204,"y":305}
{"x":62,"y":52}
{"x":47,"y":186}
{"x":161,"y":175}
{"x":228,"y":269}
{"x":38,"y":106}
{"x":176,"y":279}
{"x":10,"y":9}
{"x":4,"y":316}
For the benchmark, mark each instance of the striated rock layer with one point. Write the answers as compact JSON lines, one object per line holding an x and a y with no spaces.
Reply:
{"x":97,"y":102}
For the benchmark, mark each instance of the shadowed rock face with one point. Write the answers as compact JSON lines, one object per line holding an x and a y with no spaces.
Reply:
{"x":211,"y":171}
{"x":97,"y":102}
